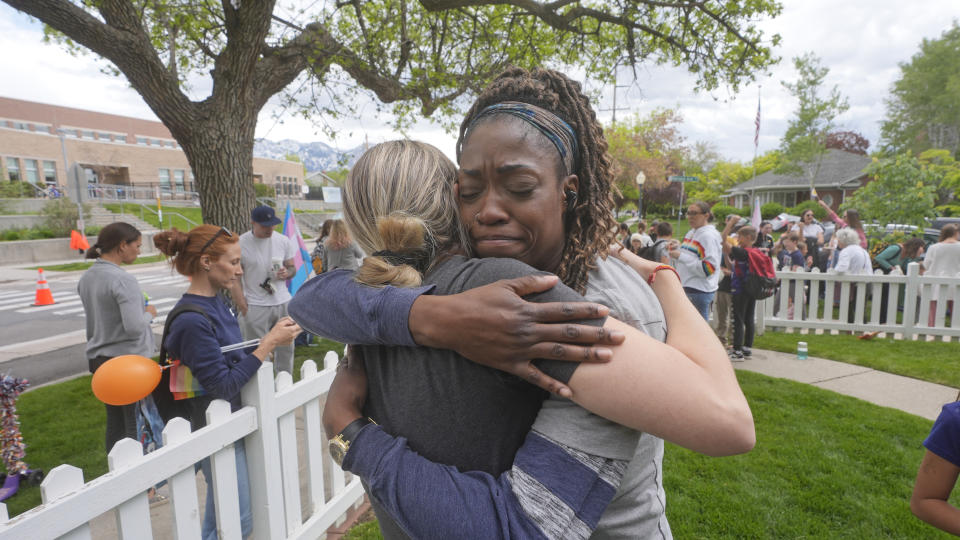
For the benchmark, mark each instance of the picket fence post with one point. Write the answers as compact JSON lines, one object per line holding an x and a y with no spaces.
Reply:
{"x":910,"y":302}
{"x":63,"y":480}
{"x":312,"y":434}
{"x":183,"y":486}
{"x":133,"y":516}
{"x":263,"y":457}
{"x":223,"y":465}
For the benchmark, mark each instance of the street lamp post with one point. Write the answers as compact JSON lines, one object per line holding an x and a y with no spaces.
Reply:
{"x":76,"y":178}
{"x":641,"y":178}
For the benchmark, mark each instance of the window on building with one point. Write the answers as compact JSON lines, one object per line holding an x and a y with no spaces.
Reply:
{"x":49,"y":172}
{"x":13,"y":169}
{"x":86,"y":134}
{"x":31,"y":171}
{"x":105,"y":137}
{"x":23,"y":126}
{"x":142,"y":141}
{"x":171,"y":144}
{"x":43,"y":128}
{"x":70,"y":132}
{"x":165,"y":179}
{"x":178,"y":180}
{"x":156,"y":142}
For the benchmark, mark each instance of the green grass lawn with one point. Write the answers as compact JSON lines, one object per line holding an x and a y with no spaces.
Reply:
{"x":931,"y":361}
{"x":70,"y":267}
{"x":825,"y":466}
{"x":169,"y":218}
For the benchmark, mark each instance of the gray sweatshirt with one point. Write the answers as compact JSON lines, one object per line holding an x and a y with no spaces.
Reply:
{"x":113,"y":304}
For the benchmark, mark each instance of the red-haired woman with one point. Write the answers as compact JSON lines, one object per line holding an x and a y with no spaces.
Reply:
{"x":210,"y":257}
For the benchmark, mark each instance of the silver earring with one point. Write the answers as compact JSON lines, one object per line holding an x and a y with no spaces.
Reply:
{"x":207,"y":268}
{"x":477,"y":217}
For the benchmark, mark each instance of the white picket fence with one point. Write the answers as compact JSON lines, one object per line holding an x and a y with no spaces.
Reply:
{"x":804,"y":309}
{"x":266,"y":424}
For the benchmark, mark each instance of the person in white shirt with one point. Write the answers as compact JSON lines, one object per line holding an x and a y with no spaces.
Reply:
{"x":853,"y":259}
{"x":698,"y":258}
{"x":262,"y":298}
{"x":943,"y":259}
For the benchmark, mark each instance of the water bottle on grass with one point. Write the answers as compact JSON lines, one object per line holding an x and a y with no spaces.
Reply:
{"x":801,"y":350}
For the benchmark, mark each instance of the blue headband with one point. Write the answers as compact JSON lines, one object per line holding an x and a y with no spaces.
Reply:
{"x":550,"y":125}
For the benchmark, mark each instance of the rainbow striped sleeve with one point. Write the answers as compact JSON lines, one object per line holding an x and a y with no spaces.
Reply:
{"x":696,"y":248}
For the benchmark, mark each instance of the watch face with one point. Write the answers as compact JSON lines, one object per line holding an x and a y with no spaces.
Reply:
{"x":337,"y":450}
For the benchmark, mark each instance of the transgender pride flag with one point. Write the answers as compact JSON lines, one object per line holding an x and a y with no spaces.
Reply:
{"x":302,"y":257}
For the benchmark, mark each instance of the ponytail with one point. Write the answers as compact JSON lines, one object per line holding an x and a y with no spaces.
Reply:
{"x":405,"y":257}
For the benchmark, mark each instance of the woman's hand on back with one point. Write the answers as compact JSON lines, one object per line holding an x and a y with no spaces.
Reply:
{"x":494,"y":326}
{"x":347,"y":395}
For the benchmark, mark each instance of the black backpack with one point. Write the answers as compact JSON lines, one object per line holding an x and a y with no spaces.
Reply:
{"x":193,"y":409}
{"x":650,"y":252}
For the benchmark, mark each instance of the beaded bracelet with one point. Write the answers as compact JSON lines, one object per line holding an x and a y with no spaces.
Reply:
{"x":653,"y":274}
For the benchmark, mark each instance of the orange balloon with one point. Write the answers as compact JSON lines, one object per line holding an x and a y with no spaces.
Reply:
{"x":126,"y":379}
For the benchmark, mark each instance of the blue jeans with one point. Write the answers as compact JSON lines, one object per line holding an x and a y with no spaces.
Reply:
{"x":208,"y":531}
{"x":700,"y":300}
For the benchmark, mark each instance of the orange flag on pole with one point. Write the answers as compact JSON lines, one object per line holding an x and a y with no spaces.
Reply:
{"x":78,"y":241}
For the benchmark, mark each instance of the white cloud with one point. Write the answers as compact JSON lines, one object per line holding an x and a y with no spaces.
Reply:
{"x":861,"y":41}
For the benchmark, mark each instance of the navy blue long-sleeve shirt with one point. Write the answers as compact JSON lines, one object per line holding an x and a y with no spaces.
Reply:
{"x":196,"y":343}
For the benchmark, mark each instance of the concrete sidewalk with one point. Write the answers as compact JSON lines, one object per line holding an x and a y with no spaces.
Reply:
{"x":910,"y":395}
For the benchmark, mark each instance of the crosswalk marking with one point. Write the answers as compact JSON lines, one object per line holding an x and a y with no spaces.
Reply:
{"x":34,"y":309}
{"x":153,"y":301}
{"x":28,"y":304}
{"x":19,"y":298}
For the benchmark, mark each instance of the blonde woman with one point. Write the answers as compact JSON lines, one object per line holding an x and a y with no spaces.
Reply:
{"x":340,"y":251}
{"x":400,"y":207}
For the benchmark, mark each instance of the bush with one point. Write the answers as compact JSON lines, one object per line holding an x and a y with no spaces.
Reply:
{"x":61,"y":216}
{"x":721,"y":211}
{"x":771,"y":210}
{"x":818,"y":211}
{"x":16,"y":190}
{"x":264,"y":191}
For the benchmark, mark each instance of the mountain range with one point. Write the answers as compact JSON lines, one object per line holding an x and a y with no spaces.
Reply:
{"x":316,"y":156}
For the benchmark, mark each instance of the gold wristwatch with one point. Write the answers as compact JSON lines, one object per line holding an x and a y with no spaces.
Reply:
{"x":340,"y":445}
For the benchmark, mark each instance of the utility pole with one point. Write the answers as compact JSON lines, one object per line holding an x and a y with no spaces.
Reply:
{"x":614,"y":109}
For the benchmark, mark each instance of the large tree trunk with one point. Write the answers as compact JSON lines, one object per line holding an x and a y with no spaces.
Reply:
{"x":220,"y":152}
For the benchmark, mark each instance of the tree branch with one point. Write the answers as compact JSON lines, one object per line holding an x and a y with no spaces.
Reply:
{"x":121,"y":39}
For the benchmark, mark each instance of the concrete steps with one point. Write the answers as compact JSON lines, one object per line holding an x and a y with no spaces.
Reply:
{"x":101,"y":217}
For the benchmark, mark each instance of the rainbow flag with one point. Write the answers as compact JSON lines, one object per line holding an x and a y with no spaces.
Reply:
{"x":302,"y":257}
{"x":183,"y":385}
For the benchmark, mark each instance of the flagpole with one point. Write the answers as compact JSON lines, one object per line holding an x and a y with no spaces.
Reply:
{"x":756,"y":137}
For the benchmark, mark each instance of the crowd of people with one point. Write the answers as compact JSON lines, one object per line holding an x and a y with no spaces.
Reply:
{"x":448,"y":261}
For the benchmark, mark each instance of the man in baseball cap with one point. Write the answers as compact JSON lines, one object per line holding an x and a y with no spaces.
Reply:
{"x":264,"y":215}
{"x":267,"y":259}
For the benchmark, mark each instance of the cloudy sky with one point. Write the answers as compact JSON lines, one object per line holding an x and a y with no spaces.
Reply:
{"x":861,"y":41}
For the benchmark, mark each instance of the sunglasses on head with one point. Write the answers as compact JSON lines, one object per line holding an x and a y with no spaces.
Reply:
{"x":224,"y":231}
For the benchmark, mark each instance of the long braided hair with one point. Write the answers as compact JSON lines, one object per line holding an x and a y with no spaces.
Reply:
{"x":591,"y":228}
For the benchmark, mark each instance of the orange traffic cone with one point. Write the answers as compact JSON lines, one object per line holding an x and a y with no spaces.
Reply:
{"x":44,"y":296}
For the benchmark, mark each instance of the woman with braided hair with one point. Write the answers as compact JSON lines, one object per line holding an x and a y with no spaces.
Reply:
{"x":534,"y":185}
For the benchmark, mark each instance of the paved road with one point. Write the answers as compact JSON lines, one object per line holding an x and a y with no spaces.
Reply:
{"x":45,"y":343}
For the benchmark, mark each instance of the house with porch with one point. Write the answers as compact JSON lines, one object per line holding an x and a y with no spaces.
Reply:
{"x":840,"y":175}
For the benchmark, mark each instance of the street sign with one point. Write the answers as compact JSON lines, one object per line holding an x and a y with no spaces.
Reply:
{"x":683,"y":179}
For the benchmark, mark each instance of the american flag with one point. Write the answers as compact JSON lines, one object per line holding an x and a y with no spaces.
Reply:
{"x":756,"y":135}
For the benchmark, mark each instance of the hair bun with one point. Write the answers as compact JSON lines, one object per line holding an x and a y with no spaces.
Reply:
{"x":172,"y":242}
